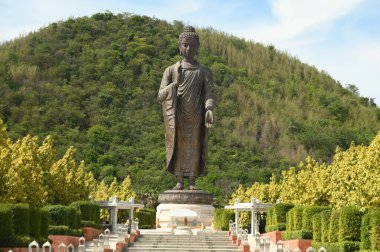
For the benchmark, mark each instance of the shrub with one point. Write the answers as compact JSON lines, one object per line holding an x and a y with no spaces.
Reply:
{"x":21,"y":217}
{"x":90,"y":224}
{"x":74,"y":217}
{"x":35,"y":222}
{"x":307,"y":216}
{"x":375,"y":229}
{"x":89,"y":210}
{"x":6,"y":220}
{"x":365,"y":242}
{"x":325,"y":223}
{"x":297,"y":217}
{"x":349,"y":224}
{"x":279,"y":213}
{"x":334,"y":226}
{"x":146,"y":216}
{"x":290,"y":220}
{"x":64,"y":230}
{"x":317,"y":227}
{"x":45,"y":220}
{"x":277,"y":217}
{"x":222,"y":219}
{"x":58,"y":215}
{"x":337,"y":246}
{"x":16,"y":241}
{"x":297,"y":235}
{"x":278,"y":227}
{"x":270,"y":217}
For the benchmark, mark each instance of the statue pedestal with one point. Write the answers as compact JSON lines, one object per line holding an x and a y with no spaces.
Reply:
{"x":191,"y":208}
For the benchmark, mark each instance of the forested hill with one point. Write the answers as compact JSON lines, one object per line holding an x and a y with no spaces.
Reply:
{"x":92,"y":82}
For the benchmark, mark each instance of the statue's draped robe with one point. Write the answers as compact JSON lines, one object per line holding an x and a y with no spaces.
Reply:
{"x":184,"y":111}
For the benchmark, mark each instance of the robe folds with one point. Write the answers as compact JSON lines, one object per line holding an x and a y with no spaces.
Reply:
{"x":184,"y":108}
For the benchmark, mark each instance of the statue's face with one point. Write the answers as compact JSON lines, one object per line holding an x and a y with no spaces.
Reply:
{"x":189,"y":48}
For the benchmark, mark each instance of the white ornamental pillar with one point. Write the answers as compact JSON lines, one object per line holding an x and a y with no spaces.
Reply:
{"x":237,"y":201}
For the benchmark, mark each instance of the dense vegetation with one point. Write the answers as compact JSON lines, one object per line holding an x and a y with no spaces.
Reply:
{"x":352,"y":179}
{"x":92,"y":82}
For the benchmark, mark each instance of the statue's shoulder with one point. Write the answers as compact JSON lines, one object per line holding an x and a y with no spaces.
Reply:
{"x":172,"y":67}
{"x":205,"y":69}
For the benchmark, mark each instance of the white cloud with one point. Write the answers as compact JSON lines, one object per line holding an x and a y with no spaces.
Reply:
{"x":296,"y":17}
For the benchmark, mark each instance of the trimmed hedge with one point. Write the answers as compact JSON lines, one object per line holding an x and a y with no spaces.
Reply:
{"x":290,"y":220}
{"x":375,"y":229}
{"x":317,"y":227}
{"x":35,"y":222}
{"x":16,"y":241}
{"x":90,"y":211}
{"x":346,"y":246}
{"x":334,"y":226}
{"x":21,"y":219}
{"x":307,"y":216}
{"x":64,"y":230}
{"x":325,"y":224}
{"x":297,"y":235}
{"x":146,"y":216}
{"x":90,"y":224}
{"x":45,"y":221}
{"x":270,"y":217}
{"x":365,"y":242}
{"x":297,"y":217}
{"x":74,"y":217}
{"x":276,"y":217}
{"x":58,"y":215}
{"x":222,"y":219}
{"x":349,"y":224}
{"x":6,"y":220}
{"x":278,"y":227}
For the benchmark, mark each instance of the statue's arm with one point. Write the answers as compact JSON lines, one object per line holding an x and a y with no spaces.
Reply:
{"x":209,"y":98}
{"x":166,"y":88}
{"x":209,"y":90}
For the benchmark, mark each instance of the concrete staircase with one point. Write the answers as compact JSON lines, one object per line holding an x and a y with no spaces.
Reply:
{"x":202,"y":242}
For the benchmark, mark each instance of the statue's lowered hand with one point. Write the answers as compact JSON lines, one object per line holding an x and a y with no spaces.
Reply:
{"x":209,"y":119}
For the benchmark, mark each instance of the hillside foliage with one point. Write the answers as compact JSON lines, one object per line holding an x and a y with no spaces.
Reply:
{"x":92,"y":82}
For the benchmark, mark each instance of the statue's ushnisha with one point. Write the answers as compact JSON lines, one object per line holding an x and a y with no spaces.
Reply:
{"x":187,"y":98}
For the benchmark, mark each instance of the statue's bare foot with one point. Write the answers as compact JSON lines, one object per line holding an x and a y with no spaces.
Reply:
{"x":192,"y":187}
{"x":178,"y":186}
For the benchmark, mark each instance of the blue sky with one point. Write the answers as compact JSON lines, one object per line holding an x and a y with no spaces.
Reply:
{"x":341,"y":37}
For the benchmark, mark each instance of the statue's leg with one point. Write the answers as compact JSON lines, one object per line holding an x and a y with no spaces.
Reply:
{"x":179,"y":185}
{"x":192,"y":183}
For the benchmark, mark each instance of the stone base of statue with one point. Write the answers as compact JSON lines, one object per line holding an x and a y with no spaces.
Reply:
{"x":185,"y":208}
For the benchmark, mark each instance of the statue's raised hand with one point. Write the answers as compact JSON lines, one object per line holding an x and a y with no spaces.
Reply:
{"x":209,"y":118}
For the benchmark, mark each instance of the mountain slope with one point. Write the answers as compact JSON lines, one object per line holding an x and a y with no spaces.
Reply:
{"x":92,"y":82}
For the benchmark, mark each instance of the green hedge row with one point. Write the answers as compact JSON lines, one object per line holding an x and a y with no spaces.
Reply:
{"x":297,"y":235}
{"x":307,"y":216}
{"x":370,"y":230}
{"x":325,"y":224}
{"x":276,"y":217}
{"x":301,"y":217}
{"x":6,"y":220}
{"x":64,"y":216}
{"x":147,"y":217}
{"x":89,"y":210}
{"x":278,"y":227}
{"x":346,"y":246}
{"x":21,"y":224}
{"x":321,"y":225}
{"x":64,"y":230}
{"x":294,"y":218}
{"x":349,"y":224}
{"x":222,"y":219}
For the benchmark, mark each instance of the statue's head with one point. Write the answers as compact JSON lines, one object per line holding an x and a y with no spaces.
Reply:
{"x":188,"y":42}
